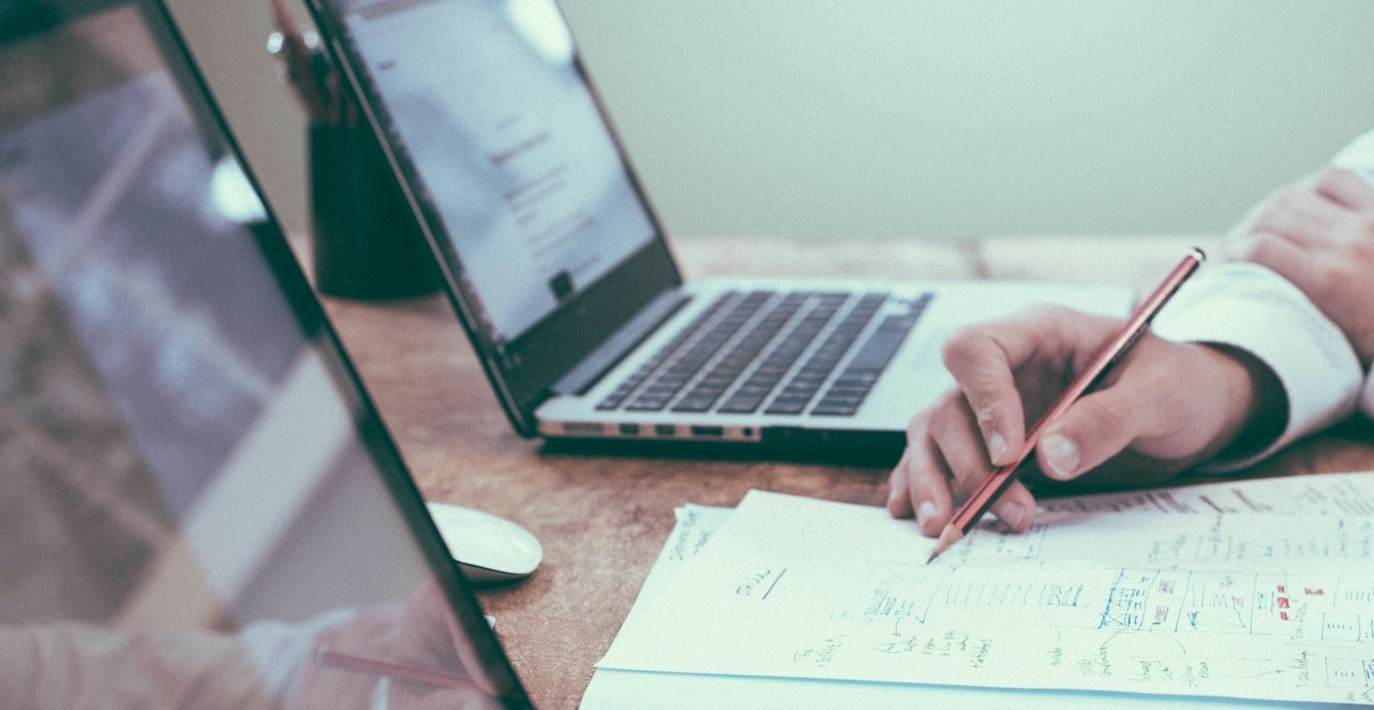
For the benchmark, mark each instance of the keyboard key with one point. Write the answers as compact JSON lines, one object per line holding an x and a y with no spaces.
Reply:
{"x":741,"y":404}
{"x":782,"y":406}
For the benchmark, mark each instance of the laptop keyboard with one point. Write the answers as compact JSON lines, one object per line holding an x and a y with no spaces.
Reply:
{"x":772,"y":352}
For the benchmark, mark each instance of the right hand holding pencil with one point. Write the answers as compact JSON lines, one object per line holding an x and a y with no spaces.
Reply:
{"x":1174,"y":406}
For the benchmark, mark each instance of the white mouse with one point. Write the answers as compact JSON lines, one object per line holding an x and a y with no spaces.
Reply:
{"x":488,"y":548}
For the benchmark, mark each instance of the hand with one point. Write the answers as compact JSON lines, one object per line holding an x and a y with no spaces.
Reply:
{"x":1319,"y":234}
{"x":1166,"y":407}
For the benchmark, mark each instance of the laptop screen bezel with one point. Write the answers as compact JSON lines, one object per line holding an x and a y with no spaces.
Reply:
{"x":271,"y":241}
{"x":524,"y":371}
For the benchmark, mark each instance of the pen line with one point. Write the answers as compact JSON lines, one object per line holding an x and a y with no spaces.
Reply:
{"x":775,"y":582}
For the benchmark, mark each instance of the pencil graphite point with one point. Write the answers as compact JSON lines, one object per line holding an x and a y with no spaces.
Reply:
{"x":948,"y":537}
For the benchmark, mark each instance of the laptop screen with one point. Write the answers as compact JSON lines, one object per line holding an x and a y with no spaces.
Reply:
{"x":200,"y":508}
{"x":543,"y":233}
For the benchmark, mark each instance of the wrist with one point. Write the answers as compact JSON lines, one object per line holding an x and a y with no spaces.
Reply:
{"x":1255,"y":404}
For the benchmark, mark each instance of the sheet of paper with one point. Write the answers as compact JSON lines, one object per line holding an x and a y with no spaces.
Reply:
{"x":1191,"y":605}
{"x":614,"y":689}
{"x":696,"y":524}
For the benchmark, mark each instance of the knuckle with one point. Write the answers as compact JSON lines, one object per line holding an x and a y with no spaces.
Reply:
{"x":1048,"y":312}
{"x":1332,"y":277}
{"x":1331,"y":177}
{"x":1269,"y":215}
{"x":962,"y":345}
{"x":943,"y":416}
{"x":1363,"y":246}
{"x":918,"y":426}
{"x":1362,"y":249}
{"x":1263,"y":249}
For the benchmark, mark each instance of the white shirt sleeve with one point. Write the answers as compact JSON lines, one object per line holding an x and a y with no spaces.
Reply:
{"x":1358,"y":158}
{"x":1251,"y":308}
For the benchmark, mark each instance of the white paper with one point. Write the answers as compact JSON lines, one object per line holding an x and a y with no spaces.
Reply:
{"x":614,"y":689}
{"x":1326,"y":494}
{"x":1135,"y":602}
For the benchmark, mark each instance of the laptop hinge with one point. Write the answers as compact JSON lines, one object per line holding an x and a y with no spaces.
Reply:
{"x":586,"y":373}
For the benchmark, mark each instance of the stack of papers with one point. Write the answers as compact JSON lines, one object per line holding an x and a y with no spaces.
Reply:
{"x":1212,"y":596}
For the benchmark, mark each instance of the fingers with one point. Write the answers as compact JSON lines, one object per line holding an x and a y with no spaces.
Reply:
{"x":1002,"y":369}
{"x":930,"y":494}
{"x":1289,"y":260}
{"x":1346,"y":189}
{"x":1305,"y":217}
{"x":1096,"y":428}
{"x":898,"y":489}
{"x":920,"y":483}
{"x":954,"y":428}
{"x":943,"y":463}
{"x":1167,"y":405}
{"x":1323,"y":210}
{"x":982,"y":361}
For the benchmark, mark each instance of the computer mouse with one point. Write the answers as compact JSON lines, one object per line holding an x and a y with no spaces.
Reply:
{"x":488,"y":548}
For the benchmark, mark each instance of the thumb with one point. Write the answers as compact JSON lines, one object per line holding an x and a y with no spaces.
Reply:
{"x":1097,"y":427}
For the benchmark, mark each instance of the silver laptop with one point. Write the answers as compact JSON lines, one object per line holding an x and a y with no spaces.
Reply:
{"x":200,"y":506}
{"x":563,"y":277}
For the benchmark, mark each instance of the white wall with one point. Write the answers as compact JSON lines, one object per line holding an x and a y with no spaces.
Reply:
{"x":961,"y":117}
{"x":817,"y":118}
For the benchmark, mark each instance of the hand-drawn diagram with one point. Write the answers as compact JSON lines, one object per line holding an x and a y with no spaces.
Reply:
{"x":1240,"y":605}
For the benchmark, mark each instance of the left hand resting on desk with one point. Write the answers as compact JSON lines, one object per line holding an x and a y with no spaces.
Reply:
{"x":1319,"y":234}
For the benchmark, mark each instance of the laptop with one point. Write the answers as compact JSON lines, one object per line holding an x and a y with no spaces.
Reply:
{"x":200,"y":506}
{"x":563,"y":277}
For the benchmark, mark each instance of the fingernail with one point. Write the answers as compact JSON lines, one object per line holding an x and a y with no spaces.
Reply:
{"x":892,"y":494}
{"x":1061,"y":455}
{"x":923,"y":513}
{"x":1014,"y":516}
{"x":997,"y":447}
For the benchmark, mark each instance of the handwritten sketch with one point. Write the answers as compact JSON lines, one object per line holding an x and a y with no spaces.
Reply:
{"x":1328,"y":494}
{"x":1269,"y":606}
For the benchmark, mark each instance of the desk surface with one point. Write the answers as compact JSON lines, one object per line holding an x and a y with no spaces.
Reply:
{"x":603,"y":519}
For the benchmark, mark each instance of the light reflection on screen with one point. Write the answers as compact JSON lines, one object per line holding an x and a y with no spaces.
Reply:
{"x":486,"y":102}
{"x":188,"y":515}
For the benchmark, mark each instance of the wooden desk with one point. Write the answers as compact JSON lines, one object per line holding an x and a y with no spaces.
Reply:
{"x":602,"y":520}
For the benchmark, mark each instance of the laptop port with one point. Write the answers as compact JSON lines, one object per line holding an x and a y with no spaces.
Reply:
{"x":714,"y":432}
{"x":665,"y":429}
{"x":629,"y":429}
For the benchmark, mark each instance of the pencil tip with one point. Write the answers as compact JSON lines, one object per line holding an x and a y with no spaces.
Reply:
{"x":948,"y":537}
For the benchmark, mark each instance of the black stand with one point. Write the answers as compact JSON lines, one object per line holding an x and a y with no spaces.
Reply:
{"x":367,"y":243}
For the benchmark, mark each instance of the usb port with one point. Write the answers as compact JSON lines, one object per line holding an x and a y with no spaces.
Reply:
{"x":711,"y":431}
{"x":665,"y":429}
{"x":629,"y":429}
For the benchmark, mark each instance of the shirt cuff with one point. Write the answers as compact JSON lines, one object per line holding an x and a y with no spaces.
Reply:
{"x":1367,"y":398}
{"x":1251,"y":308}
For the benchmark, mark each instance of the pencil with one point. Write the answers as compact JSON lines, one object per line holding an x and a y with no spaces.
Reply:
{"x":1111,"y":352}
{"x":437,"y":677}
